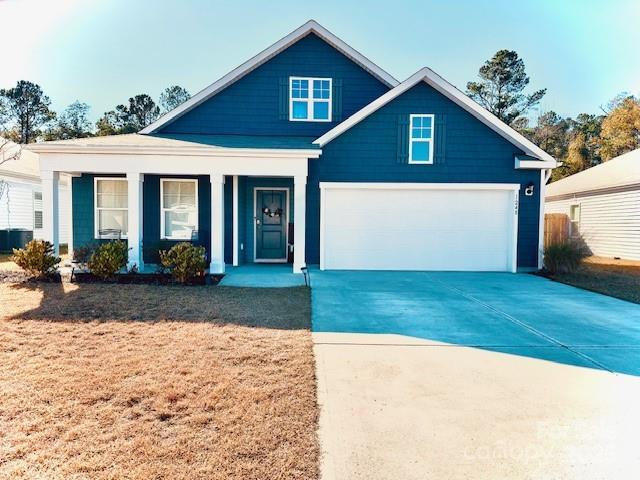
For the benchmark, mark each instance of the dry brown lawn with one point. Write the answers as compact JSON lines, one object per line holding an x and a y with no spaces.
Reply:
{"x":617,"y":278}
{"x":149,"y":382}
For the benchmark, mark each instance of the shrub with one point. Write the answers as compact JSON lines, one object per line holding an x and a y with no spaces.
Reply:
{"x":36,"y":258}
{"x":184,"y":260}
{"x":563,"y":257}
{"x":108,"y":259}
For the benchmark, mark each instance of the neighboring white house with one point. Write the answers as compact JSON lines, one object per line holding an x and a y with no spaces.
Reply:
{"x":21,"y":194}
{"x":603,"y":205}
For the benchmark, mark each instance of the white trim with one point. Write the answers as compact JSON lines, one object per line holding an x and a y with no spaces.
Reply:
{"x":514,"y":241}
{"x":96,"y":225}
{"x":514,"y":188}
{"x":235,"y":221}
{"x":176,"y":165}
{"x":419,"y":186}
{"x":163,"y":209}
{"x":309,"y":27}
{"x":286,"y":225}
{"x":441,"y":85}
{"x":323,"y":204}
{"x":310,"y":100}
{"x":528,"y":164}
{"x":423,"y":140}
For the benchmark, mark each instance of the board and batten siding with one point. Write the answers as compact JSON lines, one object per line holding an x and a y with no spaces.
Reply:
{"x":609,"y":222}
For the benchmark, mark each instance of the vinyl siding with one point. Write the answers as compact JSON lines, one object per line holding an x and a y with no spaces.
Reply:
{"x":609,"y":223}
{"x":473,"y":153}
{"x":16,"y":206}
{"x":17,"y":209}
{"x":251,"y":106}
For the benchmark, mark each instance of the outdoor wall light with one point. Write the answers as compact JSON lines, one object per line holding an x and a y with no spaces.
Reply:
{"x":528,"y":190}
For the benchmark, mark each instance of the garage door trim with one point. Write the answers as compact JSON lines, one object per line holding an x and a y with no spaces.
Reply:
{"x":514,"y":188}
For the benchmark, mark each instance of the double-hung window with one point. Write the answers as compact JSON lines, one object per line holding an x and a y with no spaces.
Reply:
{"x":309,"y":99}
{"x":421,"y":130}
{"x":111,"y":208}
{"x":179,"y":208}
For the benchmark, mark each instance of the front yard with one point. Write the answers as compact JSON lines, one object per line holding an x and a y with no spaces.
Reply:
{"x":111,"y":381}
{"x":617,"y":278}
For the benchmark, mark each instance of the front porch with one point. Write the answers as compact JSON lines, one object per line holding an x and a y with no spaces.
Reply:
{"x":261,"y":275}
{"x":241,"y":204}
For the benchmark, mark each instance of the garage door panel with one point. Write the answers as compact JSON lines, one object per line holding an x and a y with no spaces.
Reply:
{"x":417,"y":229}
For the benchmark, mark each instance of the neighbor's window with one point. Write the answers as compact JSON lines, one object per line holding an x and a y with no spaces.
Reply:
{"x":179,"y":208}
{"x":111,"y":203}
{"x":421,"y":138}
{"x":310,"y":99}
{"x":574,"y":218}
{"x":37,"y":210}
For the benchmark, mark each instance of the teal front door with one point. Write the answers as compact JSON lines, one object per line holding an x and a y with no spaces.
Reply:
{"x":271,"y":225}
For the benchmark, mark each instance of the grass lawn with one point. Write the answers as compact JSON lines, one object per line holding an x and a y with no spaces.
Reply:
{"x":142,"y":382}
{"x":617,"y":278}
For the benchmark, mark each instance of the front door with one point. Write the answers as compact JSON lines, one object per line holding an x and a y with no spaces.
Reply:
{"x":271,"y":225}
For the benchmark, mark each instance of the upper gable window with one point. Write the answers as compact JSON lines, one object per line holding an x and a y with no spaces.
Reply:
{"x":309,"y":99}
{"x":421,"y":138}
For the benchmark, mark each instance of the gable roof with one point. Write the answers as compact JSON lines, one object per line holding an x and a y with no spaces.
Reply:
{"x":452,"y":93}
{"x":182,"y":144}
{"x":617,"y":172}
{"x":233,"y":76}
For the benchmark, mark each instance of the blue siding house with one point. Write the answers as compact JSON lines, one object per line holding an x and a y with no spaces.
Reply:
{"x":309,"y":153}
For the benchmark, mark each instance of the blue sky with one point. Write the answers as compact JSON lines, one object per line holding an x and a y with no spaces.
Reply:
{"x":103,"y":52}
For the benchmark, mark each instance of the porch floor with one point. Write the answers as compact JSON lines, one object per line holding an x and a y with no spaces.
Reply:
{"x":262,"y":275}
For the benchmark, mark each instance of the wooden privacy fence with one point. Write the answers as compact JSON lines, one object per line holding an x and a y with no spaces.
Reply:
{"x":556,"y":228}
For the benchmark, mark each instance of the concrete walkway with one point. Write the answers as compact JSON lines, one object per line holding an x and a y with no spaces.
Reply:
{"x":256,"y":275}
{"x":474,"y":376}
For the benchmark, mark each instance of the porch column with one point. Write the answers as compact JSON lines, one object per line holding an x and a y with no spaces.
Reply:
{"x":134,"y":229}
{"x":235,"y":221}
{"x":299,"y":215}
{"x":217,"y":223}
{"x":51,"y":208}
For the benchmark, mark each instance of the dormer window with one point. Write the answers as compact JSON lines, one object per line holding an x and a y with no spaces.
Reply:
{"x":309,"y":99}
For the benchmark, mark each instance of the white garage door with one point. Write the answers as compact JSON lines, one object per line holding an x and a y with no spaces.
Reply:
{"x":382,"y":226}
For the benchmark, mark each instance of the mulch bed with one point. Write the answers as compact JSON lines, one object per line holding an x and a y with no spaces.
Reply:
{"x":143,"y":279}
{"x":19,"y":276}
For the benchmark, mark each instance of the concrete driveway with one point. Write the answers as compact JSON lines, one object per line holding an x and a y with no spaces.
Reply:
{"x":469,"y":375}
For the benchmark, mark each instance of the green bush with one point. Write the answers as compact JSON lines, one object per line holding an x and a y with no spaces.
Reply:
{"x":108,"y":259}
{"x":184,"y":260}
{"x":36,"y":258}
{"x":563,"y":257}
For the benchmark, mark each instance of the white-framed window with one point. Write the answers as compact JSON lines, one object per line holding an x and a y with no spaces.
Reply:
{"x":421,"y":134}
{"x":310,"y":99}
{"x":111,"y":207}
{"x":37,"y":211}
{"x":574,"y":219}
{"x":178,"y":208}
